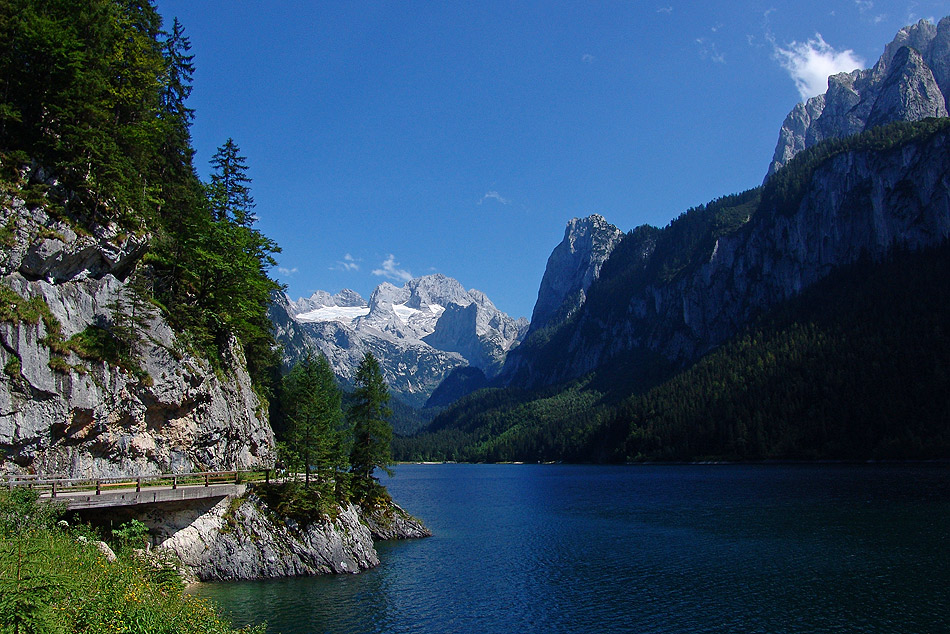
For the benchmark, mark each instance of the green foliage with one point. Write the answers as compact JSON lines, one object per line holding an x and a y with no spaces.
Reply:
{"x":311,"y":402}
{"x":53,"y":582}
{"x":296,"y":501}
{"x":784,"y":191}
{"x":93,"y":94}
{"x":229,"y":191}
{"x":131,"y":534}
{"x":372,"y":433}
{"x":857,"y":367}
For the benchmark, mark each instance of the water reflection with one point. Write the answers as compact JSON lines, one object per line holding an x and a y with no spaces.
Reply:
{"x":645,"y":549}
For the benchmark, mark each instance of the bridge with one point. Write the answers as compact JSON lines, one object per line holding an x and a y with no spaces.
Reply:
{"x":92,"y":493}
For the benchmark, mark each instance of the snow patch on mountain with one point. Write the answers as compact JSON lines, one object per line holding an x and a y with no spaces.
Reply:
{"x":419,"y":332}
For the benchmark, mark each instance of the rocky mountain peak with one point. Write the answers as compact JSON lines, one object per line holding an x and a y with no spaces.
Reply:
{"x":419,"y":332}
{"x":435,"y":290}
{"x":572,"y":267}
{"x":909,"y":93}
{"x":910,"y":81}
{"x":321,"y":299}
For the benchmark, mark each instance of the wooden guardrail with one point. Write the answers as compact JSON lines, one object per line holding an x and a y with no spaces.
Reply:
{"x":55,"y":486}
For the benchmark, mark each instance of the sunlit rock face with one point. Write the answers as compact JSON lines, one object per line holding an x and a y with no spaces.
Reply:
{"x":910,"y":82}
{"x":418,"y":332}
{"x":84,"y":418}
{"x":573,"y":265}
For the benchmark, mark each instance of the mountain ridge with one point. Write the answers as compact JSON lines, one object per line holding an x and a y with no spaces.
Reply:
{"x":910,"y":82}
{"x":667,"y":298}
{"x":419,"y":332}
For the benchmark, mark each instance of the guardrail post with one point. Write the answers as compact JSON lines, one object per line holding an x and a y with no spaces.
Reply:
{"x":206,"y":479}
{"x":266,"y":476}
{"x":53,"y":494}
{"x":237,"y":477}
{"x":174,"y":482}
{"x":138,"y":485}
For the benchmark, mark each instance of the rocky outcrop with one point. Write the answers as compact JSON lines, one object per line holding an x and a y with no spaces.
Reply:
{"x":241,"y":538}
{"x":419,"y":332}
{"x":910,"y":82}
{"x":571,"y":269}
{"x":856,"y":204}
{"x":67,"y":415}
{"x":390,"y":521}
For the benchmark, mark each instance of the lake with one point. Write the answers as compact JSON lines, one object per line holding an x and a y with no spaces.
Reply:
{"x":652,"y":549}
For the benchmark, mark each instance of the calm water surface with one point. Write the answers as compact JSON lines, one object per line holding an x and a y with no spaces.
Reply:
{"x":678,"y":549}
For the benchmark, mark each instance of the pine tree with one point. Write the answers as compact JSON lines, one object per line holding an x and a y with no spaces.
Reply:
{"x":230,"y":192}
{"x":311,"y":401}
{"x":372,"y":432}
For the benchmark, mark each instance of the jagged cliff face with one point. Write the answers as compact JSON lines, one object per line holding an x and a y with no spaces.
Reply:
{"x":419,"y":332}
{"x":572,"y":267}
{"x":857,"y":204}
{"x":86,"y":418}
{"x":910,"y":82}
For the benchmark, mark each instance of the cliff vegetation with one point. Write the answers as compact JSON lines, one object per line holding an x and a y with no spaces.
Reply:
{"x":721,"y":337}
{"x":60,"y":578}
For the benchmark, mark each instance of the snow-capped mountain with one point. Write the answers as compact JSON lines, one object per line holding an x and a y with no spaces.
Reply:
{"x":419,"y":332}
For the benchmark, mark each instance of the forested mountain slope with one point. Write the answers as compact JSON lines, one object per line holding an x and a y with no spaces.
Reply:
{"x":133,"y":328}
{"x":665,"y":298}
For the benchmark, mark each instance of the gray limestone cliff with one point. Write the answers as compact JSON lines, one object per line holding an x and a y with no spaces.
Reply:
{"x":856,"y":204}
{"x":67,"y":415}
{"x":241,"y":538}
{"x":910,"y":82}
{"x":572,"y":267}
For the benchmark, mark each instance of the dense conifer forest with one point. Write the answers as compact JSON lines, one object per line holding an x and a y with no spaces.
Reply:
{"x":855,"y":368}
{"x":94,"y":128}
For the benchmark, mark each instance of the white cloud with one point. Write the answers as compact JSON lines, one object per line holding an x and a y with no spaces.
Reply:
{"x":708,"y":50}
{"x":587,"y":58}
{"x":666,"y":10}
{"x":493,"y":195}
{"x":349,"y":263}
{"x":390,"y":269}
{"x":810,"y":63}
{"x":285,"y":271}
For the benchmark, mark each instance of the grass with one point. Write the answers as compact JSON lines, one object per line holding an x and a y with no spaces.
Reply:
{"x":54,"y":579}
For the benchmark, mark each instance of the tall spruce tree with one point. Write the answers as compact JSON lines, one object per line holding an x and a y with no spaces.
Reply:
{"x":311,"y":400}
{"x":372,"y":432}
{"x":230,"y":191}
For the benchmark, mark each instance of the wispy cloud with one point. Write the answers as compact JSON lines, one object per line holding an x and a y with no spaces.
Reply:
{"x":390,"y":270}
{"x":493,"y":195}
{"x":810,"y":63}
{"x":285,"y":271}
{"x":348,"y":263}
{"x":587,"y":58}
{"x":708,"y":50}
{"x":866,"y":7}
{"x":666,"y":10}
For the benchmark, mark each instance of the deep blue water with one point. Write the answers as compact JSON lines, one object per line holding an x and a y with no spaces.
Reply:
{"x":678,"y":549}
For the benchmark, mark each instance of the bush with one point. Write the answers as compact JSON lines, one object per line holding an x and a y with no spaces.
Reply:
{"x":51,"y":581}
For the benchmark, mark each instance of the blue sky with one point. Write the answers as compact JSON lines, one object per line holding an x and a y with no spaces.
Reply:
{"x":395,"y":139}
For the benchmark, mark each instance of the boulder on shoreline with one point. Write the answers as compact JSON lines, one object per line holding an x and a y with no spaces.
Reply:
{"x":242,"y":538}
